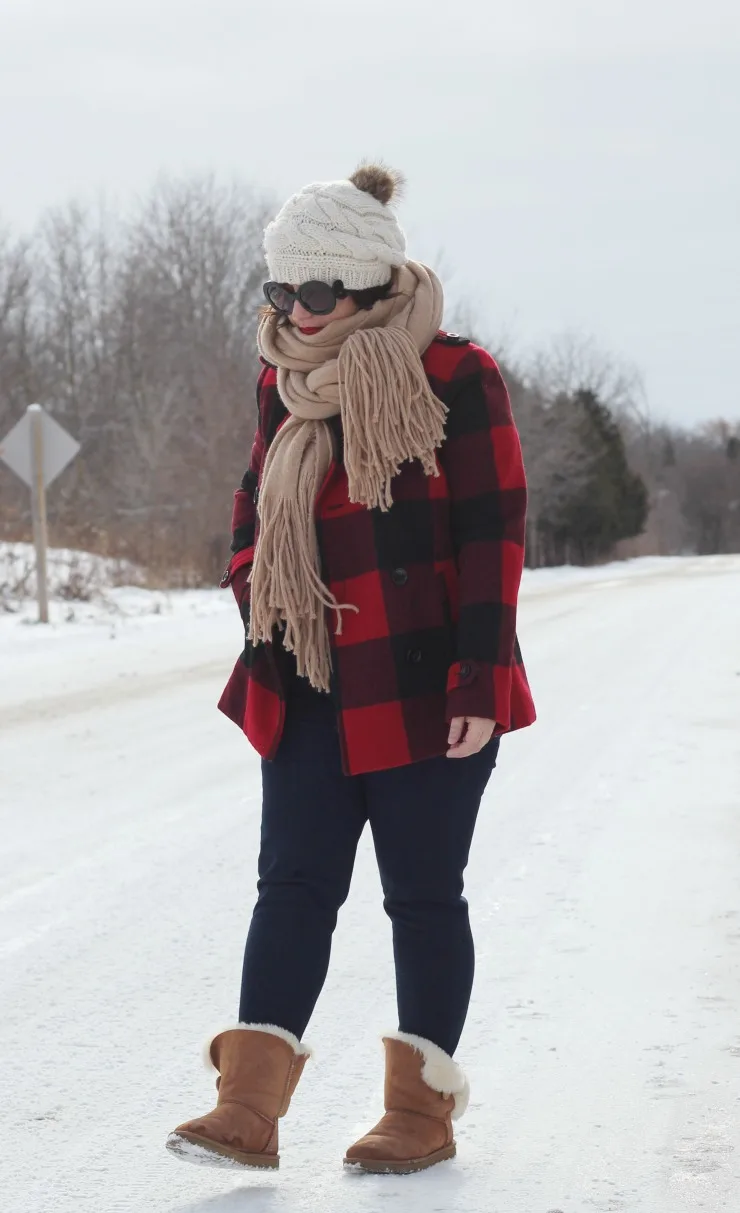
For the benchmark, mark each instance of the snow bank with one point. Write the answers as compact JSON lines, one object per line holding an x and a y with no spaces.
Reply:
{"x":537,"y":581}
{"x":109,"y":597}
{"x":92,"y":600}
{"x":74,"y":577}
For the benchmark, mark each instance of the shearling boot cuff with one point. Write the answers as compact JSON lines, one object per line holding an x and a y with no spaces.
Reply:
{"x":440,"y":1071}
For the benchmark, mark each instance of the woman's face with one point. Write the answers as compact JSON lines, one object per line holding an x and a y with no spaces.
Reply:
{"x":307,"y":322}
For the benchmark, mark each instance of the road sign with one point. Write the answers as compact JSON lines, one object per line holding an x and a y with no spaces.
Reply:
{"x":60,"y":448}
{"x":38,"y":449}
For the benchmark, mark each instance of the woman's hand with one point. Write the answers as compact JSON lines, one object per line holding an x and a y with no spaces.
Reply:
{"x":468,"y":735}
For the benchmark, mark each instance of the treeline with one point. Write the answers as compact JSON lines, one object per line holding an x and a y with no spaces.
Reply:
{"x":138,"y":334}
{"x":604,"y":479}
{"x":584,"y":496}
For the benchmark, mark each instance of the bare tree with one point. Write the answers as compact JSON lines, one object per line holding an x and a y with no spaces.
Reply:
{"x":572,"y":362}
{"x":138,"y":332}
{"x":16,"y":287}
{"x":16,"y":360}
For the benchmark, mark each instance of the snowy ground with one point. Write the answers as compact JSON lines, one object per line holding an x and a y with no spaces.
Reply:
{"x":604,"y":1040}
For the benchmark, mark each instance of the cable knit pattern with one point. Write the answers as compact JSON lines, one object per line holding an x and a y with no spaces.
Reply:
{"x":333,"y":231}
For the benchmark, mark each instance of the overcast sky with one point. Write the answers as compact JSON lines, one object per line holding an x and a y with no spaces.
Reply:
{"x":576,"y":162}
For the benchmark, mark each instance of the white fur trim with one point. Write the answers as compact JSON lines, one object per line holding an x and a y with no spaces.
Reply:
{"x":296,"y":1045}
{"x":440,"y":1071}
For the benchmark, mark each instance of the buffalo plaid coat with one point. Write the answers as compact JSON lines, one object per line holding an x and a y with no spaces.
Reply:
{"x":435,"y":578}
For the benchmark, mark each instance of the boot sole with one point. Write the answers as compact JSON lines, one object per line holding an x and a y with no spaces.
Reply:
{"x":204,"y":1153}
{"x":379,"y":1166}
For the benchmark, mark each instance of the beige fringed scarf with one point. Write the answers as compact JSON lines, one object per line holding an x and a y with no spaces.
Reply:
{"x":368,"y":369}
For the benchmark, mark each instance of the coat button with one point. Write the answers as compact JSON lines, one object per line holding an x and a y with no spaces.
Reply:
{"x":465,"y":670}
{"x":399,"y":576}
{"x":414,"y":656}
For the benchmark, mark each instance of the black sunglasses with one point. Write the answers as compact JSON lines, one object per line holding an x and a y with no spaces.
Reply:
{"x":318,"y":298}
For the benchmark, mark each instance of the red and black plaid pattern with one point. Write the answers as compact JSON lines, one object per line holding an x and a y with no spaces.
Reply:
{"x":435,"y":579}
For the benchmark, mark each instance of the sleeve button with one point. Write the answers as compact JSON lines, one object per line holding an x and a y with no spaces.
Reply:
{"x":465,"y":669}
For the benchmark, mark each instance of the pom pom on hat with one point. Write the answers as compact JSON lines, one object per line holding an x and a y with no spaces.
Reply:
{"x":383,"y":183}
{"x":339,"y":230}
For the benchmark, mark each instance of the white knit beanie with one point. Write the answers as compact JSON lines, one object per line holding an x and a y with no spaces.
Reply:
{"x":339,"y":231}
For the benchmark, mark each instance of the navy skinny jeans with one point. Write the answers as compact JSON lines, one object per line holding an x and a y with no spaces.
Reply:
{"x":422,"y":819}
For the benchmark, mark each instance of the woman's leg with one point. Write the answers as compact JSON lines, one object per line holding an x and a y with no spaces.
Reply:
{"x":422,"y":818}
{"x":312,"y":819}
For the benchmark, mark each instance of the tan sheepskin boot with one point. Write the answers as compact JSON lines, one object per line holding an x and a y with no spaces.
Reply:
{"x":259,"y":1066}
{"x":425,"y":1090}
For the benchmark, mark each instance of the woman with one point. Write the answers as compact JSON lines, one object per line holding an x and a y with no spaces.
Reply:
{"x":377,"y":551}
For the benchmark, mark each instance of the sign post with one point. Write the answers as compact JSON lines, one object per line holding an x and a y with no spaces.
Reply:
{"x":37,"y":449}
{"x":38,"y":508}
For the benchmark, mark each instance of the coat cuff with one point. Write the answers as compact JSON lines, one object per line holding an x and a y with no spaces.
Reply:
{"x":240,"y":558}
{"x":475,"y":688}
{"x":236,"y":574}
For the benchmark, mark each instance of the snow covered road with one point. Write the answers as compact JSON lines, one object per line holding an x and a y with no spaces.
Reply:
{"x":603,"y":1045}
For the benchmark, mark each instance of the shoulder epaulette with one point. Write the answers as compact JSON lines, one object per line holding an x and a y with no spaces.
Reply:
{"x":452,"y":339}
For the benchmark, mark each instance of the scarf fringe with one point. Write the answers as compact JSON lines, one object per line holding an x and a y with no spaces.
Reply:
{"x":287,"y":590}
{"x":390,"y":414}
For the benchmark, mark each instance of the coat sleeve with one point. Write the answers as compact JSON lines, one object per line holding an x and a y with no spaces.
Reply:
{"x":244,"y":518}
{"x":482,"y":459}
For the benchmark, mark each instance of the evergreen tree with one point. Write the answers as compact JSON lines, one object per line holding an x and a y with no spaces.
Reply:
{"x":612,"y":504}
